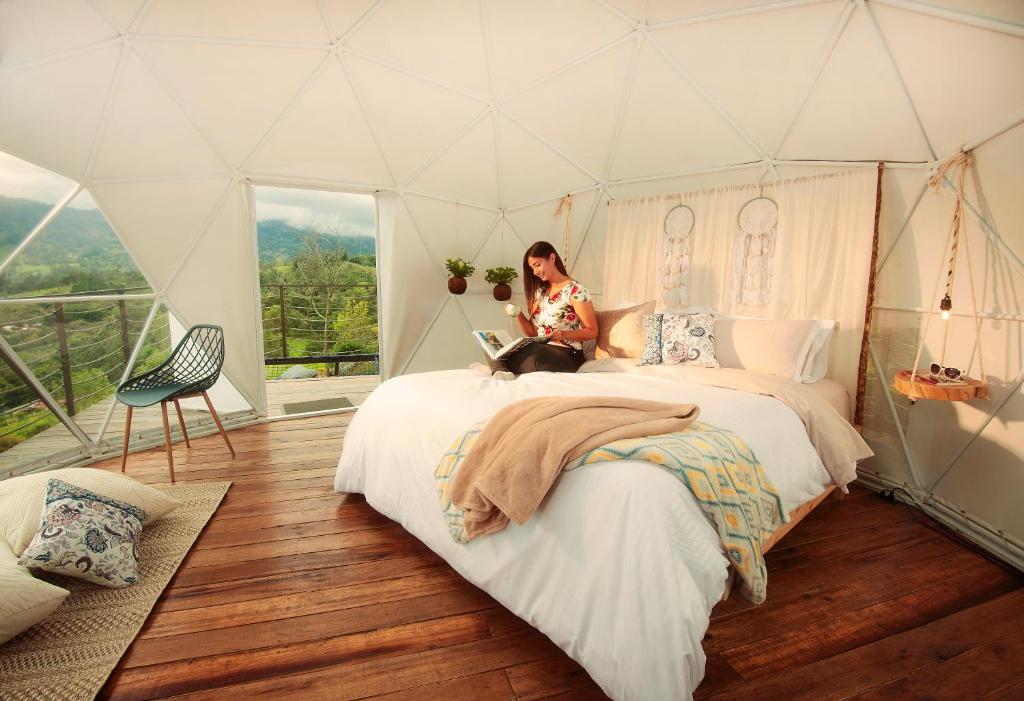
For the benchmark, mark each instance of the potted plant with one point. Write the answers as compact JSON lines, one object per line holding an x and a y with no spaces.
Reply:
{"x":500,"y":277}
{"x":459,"y":270}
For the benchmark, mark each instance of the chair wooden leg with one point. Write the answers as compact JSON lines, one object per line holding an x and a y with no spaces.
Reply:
{"x":127,"y":435}
{"x":167,"y":440}
{"x":220,"y":427}
{"x":181,"y":422}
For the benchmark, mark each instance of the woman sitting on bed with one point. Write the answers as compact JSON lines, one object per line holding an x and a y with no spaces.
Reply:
{"x":560,"y":308}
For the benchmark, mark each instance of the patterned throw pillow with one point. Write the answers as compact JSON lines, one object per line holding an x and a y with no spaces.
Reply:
{"x":652,"y":340}
{"x":85,"y":535}
{"x":688,"y":339}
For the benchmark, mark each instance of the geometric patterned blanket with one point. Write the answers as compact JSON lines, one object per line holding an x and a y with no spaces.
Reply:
{"x":718,"y":468}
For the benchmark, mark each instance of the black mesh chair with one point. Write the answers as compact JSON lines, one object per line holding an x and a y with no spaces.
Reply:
{"x":192,"y":368}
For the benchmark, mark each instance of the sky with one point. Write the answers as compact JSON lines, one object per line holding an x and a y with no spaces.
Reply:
{"x":332,"y":212}
{"x":21,"y":179}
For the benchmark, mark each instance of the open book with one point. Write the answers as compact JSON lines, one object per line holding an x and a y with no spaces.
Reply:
{"x":498,"y":344}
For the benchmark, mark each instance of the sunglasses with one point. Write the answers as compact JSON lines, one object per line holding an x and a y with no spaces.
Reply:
{"x":940,"y":372}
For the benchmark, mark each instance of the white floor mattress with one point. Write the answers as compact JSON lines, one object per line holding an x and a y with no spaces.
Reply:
{"x":619,"y":567}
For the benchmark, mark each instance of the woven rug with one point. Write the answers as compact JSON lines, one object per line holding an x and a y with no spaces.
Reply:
{"x":70,"y":654}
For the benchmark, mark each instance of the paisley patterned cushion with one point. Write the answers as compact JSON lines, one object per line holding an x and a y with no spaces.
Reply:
{"x":688,"y":339}
{"x":652,"y":340}
{"x":85,"y":535}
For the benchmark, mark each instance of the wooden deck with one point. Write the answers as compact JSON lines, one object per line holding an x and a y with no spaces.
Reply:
{"x":148,"y":420}
{"x":295,"y":592}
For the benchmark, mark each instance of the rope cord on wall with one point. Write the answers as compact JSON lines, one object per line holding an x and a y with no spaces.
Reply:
{"x":565,"y":204}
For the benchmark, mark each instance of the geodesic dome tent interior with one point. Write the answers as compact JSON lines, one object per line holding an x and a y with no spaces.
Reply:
{"x":470,"y":121}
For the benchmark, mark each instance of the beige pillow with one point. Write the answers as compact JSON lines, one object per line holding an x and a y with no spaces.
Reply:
{"x":620,"y":332}
{"x":769,"y":347}
{"x":25,"y":600}
{"x":21,"y":499}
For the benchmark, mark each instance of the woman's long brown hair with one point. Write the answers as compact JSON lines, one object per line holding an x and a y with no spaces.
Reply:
{"x":531,"y":283}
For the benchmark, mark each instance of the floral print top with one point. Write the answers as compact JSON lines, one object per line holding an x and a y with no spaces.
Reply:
{"x":555,"y":311}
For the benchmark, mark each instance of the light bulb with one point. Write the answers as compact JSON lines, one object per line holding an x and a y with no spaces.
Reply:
{"x":511,"y":309}
{"x":945,"y":315}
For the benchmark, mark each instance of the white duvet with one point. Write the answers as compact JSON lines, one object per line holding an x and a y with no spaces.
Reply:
{"x":619,"y":566}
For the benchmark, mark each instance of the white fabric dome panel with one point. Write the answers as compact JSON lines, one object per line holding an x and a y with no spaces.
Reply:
{"x":531,"y":171}
{"x":216,"y":286}
{"x":577,"y":109}
{"x":530,"y":39}
{"x":34,"y":29}
{"x":540,"y":223}
{"x":467,"y":170}
{"x":267,"y":20}
{"x":964,"y":81}
{"x":157,"y":220}
{"x":993,"y":459}
{"x":756,"y":78}
{"x":342,"y":15}
{"x":147,"y":134}
{"x":668,"y":10}
{"x":669,"y":127}
{"x":233,"y":93}
{"x":56,"y":137}
{"x":324,"y":135}
{"x":859,"y":97}
{"x":405,"y":318}
{"x":415,"y":128}
{"x":1008,"y":10}
{"x":451,"y":231}
{"x":438,"y":351}
{"x":120,"y":13}
{"x":441,"y":39}
{"x":502,"y":247}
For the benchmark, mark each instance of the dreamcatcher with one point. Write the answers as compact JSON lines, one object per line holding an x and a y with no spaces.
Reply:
{"x":675,"y":257}
{"x":754,"y":251}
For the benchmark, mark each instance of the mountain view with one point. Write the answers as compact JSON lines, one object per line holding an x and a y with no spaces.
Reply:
{"x":322,"y":284}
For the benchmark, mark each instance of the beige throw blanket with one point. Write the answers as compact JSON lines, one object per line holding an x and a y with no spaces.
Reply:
{"x":522,"y":449}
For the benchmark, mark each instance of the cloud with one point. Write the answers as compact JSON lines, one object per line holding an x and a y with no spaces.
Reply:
{"x":332,"y":212}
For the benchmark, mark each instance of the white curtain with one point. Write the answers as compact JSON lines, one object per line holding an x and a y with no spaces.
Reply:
{"x":822,"y":254}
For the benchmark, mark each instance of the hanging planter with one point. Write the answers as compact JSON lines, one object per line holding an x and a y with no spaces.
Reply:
{"x":500,"y":277}
{"x":459,"y":270}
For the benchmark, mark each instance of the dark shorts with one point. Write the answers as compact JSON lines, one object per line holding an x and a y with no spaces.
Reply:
{"x":541,"y":357}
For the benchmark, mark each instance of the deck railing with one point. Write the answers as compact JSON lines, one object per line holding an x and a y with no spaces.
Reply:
{"x":76,"y":350}
{"x":321,"y":323}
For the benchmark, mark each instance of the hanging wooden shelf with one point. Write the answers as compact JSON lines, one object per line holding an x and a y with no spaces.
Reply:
{"x":973,"y":389}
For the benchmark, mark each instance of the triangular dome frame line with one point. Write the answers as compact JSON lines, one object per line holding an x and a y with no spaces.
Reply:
{"x":705,"y":94}
{"x":286,"y":110}
{"x":899,"y":76}
{"x":835,"y":36}
{"x":139,"y":50}
{"x":361,"y":103}
{"x":41,"y":61}
{"x":423,"y":167}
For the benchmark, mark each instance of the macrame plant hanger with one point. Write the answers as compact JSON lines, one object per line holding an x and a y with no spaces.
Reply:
{"x":914,"y":383}
{"x":565,"y":204}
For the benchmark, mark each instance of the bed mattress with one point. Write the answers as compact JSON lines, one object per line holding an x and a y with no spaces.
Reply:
{"x":619,"y":566}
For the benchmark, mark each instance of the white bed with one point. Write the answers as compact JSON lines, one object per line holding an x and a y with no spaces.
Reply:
{"x":619,"y":566}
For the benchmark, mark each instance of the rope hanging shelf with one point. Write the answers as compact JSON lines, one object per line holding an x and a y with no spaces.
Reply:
{"x":939,"y":381}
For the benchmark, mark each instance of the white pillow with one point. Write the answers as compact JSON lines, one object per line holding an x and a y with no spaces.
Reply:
{"x":25,"y":600}
{"x":21,"y":499}
{"x":816,"y":364}
{"x":760,"y":345}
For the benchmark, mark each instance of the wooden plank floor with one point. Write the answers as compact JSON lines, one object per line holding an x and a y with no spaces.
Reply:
{"x":149,"y":420}
{"x":293,"y":591}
